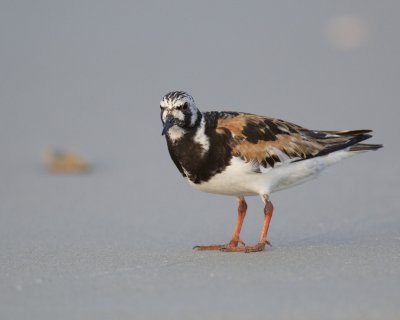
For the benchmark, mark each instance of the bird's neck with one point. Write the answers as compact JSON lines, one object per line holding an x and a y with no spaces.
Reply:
{"x":178,"y":135}
{"x":200,"y":153}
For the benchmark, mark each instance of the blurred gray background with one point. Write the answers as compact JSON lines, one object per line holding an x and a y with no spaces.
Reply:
{"x":87,"y":76}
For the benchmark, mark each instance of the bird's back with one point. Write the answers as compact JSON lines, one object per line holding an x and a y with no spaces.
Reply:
{"x":248,"y":153}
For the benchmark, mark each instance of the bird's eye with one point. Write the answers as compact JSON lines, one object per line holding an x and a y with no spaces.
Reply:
{"x":182,"y":107}
{"x":162,"y":108}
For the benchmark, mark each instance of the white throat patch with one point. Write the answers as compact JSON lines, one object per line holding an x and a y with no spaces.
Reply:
{"x":175,"y":133}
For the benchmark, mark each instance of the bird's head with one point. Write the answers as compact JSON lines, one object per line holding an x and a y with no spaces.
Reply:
{"x":178,"y":113}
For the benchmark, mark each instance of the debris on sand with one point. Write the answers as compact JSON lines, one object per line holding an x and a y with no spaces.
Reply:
{"x":59,"y":161}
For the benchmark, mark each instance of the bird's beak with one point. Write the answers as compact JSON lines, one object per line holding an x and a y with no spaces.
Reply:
{"x":169,"y":122}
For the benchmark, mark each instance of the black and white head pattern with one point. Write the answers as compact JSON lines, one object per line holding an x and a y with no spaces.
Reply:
{"x":178,"y":114}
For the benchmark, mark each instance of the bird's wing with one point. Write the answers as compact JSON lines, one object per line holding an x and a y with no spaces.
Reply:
{"x":269,"y":141}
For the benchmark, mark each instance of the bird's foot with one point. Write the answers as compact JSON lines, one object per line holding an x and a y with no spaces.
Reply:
{"x":222,"y":247}
{"x":256,"y":248}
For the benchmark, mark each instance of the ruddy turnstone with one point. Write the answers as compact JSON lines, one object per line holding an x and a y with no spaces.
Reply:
{"x":241,"y":154}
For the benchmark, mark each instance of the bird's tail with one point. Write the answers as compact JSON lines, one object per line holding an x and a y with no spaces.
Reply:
{"x":365,"y":147}
{"x":338,"y":140}
{"x":359,"y":135}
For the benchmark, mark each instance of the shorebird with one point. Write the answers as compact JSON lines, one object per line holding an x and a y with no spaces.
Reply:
{"x":242,"y":154}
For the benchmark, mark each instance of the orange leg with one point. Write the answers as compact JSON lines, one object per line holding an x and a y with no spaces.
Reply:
{"x":262,"y":242}
{"x":236,"y":232}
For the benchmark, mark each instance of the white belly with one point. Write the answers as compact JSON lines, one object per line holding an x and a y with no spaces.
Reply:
{"x":240,"y":178}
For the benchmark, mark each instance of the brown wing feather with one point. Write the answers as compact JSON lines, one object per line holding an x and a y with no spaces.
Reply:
{"x":268,"y":141}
